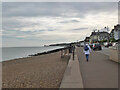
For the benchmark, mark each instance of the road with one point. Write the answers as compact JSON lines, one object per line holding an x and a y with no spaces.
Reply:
{"x":99,"y":72}
{"x":105,"y":51}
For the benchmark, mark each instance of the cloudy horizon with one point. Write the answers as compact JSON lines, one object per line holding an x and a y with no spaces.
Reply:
{"x":43,"y":23}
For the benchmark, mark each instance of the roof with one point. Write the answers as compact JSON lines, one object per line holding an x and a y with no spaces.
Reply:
{"x":98,"y":33}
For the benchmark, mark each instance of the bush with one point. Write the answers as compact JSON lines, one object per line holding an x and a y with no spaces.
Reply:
{"x":112,"y":40}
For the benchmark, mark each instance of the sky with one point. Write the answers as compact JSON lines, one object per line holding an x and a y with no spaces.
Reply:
{"x":44,"y":23}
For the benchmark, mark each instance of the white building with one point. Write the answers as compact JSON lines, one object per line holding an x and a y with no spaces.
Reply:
{"x":99,"y":36}
{"x":117,"y":32}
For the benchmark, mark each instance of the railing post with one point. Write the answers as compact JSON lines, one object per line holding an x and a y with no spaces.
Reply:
{"x":73,"y":49}
{"x":73,"y":54}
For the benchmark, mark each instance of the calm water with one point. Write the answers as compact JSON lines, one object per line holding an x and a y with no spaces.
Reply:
{"x":9,"y":53}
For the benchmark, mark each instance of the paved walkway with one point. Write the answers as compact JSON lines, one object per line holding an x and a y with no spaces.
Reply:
{"x":105,"y":51}
{"x":99,"y":72}
{"x":72,"y":76}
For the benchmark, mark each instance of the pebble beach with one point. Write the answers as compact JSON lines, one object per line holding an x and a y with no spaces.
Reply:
{"x":43,"y":71}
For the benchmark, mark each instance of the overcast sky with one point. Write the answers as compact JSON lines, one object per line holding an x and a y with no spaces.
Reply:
{"x":36,"y":24}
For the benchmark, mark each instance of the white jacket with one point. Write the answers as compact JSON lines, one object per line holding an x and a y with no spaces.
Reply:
{"x":88,"y":51}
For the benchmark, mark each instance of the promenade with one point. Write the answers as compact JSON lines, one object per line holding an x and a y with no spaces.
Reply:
{"x":99,"y":72}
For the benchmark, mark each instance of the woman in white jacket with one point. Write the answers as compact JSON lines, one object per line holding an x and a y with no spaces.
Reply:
{"x":87,"y":51}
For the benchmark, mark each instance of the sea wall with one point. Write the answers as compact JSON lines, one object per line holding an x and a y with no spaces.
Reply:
{"x":114,"y":56}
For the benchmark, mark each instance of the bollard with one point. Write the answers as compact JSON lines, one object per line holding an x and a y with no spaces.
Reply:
{"x":73,"y":55}
{"x":73,"y":49}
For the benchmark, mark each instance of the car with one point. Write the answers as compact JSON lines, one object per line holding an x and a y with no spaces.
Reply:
{"x":110,"y":44}
{"x":97,"y":46}
{"x":82,"y":44}
{"x":78,"y":45}
{"x":114,"y":44}
{"x":107,"y":44}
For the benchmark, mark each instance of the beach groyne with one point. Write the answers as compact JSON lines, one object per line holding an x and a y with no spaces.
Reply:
{"x":63,"y":50}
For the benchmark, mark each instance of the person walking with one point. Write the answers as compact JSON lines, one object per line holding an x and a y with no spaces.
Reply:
{"x":87,"y":51}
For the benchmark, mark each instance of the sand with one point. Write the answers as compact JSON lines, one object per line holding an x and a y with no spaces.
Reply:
{"x":44,"y":71}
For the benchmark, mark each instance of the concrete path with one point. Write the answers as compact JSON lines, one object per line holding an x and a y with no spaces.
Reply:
{"x":105,"y":51}
{"x":99,"y":72}
{"x":72,"y":77}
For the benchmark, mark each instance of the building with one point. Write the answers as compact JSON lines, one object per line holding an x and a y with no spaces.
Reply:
{"x":99,"y":36}
{"x":115,"y":33}
{"x":103,"y":36}
{"x":87,"y":39}
{"x":93,"y":37}
{"x":112,"y":33}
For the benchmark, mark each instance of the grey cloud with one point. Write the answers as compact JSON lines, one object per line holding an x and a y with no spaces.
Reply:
{"x":70,"y":21}
{"x":30,"y":9}
{"x":80,"y":29}
{"x":75,"y":21}
{"x":11,"y":24}
{"x":50,"y":30}
{"x":40,"y":9}
{"x":55,"y":9}
{"x":52,"y":9}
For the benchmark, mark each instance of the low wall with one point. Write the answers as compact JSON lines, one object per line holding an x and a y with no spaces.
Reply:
{"x":114,"y":55}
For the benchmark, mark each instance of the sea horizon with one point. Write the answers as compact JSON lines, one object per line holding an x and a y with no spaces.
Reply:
{"x":10,"y":53}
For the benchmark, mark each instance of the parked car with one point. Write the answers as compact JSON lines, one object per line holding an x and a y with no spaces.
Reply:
{"x":97,"y":46}
{"x":82,"y":44}
{"x":114,"y":44}
{"x":78,"y":45}
{"x":107,"y":44}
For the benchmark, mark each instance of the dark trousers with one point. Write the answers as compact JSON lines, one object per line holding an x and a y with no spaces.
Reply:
{"x":87,"y":56}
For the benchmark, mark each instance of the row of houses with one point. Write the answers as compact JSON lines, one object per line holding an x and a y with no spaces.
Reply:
{"x":97,"y":36}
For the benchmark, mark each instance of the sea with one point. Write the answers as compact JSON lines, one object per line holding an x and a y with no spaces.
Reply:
{"x":9,"y":53}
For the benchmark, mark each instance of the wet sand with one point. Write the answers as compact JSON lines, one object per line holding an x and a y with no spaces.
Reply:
{"x":44,"y":71}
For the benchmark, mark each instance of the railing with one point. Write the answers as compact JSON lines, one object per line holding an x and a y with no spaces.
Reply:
{"x":67,"y":51}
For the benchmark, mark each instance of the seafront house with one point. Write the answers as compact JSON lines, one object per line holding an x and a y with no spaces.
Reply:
{"x":115,"y":33}
{"x":99,"y":36}
{"x":112,"y":34}
{"x":87,"y":39}
{"x":103,"y":36}
{"x":93,"y":37}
